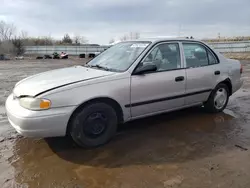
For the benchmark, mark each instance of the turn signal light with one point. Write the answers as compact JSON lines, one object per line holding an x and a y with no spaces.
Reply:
{"x":44,"y":104}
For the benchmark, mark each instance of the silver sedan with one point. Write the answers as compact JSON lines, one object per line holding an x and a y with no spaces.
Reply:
{"x":130,"y":80}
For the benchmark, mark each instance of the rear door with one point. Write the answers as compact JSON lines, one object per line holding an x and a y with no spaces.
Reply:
{"x":202,"y":71}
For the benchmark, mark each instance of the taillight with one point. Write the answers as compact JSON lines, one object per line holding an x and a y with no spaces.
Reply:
{"x":241,"y":69}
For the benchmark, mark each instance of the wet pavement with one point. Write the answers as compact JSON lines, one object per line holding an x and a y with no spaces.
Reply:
{"x":187,"y":149}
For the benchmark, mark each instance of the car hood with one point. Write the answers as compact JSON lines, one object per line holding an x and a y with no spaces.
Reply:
{"x":34,"y":85}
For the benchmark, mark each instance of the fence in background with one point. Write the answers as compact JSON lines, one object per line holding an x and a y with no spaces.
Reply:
{"x":71,"y":50}
{"x":241,"y":46}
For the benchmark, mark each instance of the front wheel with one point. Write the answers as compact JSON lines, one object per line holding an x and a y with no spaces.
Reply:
{"x":218,"y":99}
{"x":93,"y":125}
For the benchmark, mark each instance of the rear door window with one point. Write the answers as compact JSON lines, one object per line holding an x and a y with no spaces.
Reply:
{"x":195,"y":55}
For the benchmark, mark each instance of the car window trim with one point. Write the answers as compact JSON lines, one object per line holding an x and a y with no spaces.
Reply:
{"x":213,"y":57}
{"x":206,"y":48}
{"x":213,"y":54}
{"x":152,"y":48}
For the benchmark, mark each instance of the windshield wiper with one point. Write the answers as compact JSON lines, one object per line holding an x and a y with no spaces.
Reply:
{"x":100,"y":67}
{"x":86,"y":65}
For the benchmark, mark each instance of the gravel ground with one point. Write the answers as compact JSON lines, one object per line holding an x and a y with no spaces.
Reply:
{"x":187,"y":149}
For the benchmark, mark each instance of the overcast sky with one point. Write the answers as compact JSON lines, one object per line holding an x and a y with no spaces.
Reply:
{"x":101,"y":20}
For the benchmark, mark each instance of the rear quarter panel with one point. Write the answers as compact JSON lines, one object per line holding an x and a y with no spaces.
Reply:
{"x":230,"y":68}
{"x":234,"y":74}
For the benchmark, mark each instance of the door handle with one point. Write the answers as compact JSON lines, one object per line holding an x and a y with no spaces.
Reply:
{"x":217,"y":73}
{"x":179,"y":78}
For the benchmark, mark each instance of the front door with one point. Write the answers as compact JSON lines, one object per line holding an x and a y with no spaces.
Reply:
{"x":163,"y":89}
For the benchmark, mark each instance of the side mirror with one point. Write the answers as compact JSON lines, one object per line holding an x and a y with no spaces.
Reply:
{"x":146,"y":67}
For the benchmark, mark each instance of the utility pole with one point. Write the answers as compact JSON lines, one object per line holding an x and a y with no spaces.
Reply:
{"x":179,"y":31}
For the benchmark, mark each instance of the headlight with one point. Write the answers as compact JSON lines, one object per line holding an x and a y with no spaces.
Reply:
{"x":34,"y":103}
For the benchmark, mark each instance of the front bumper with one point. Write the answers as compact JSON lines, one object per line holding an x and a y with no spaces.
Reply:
{"x":46,"y":123}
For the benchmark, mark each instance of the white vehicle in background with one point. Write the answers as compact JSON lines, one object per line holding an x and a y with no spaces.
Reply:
{"x":97,"y":53}
{"x":19,"y":58}
{"x":130,"y":80}
{"x":64,"y":55}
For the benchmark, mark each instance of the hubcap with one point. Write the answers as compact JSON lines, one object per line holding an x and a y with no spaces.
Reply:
{"x":95,"y":124}
{"x":220,"y":98}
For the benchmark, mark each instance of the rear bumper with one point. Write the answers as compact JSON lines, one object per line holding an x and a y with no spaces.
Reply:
{"x":40,"y":124}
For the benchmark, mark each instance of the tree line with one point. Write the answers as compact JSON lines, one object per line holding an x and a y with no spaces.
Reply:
{"x":229,"y":39}
{"x":14,"y":42}
{"x":125,"y":37}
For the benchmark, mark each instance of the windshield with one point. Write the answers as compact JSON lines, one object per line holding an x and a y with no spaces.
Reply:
{"x":119,"y":57}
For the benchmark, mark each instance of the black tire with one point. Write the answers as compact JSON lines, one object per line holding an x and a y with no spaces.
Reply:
{"x":210,"y":104}
{"x":89,"y":121}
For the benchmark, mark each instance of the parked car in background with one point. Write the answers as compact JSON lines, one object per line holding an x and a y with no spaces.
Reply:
{"x":46,"y":56}
{"x":130,"y":80}
{"x":55,"y":55}
{"x":64,"y":55}
{"x":4,"y":57}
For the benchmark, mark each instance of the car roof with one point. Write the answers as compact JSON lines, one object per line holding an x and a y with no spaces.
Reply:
{"x":162,"y":39}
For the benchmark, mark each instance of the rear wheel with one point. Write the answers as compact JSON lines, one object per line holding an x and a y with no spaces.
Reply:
{"x":218,"y":99}
{"x":94,"y":125}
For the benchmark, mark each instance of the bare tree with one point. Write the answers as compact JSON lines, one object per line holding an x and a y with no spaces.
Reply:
{"x":47,"y":40}
{"x":24,"y":34}
{"x":111,"y":41}
{"x":134,"y":35}
{"x":130,"y":36}
{"x":6,"y":47}
{"x":124,"y":38}
{"x":42,"y":41}
{"x":6,"y":31}
{"x":137,"y":35}
{"x":10,"y":42}
{"x":18,"y":44}
{"x":78,"y":39}
{"x":66,"y":39}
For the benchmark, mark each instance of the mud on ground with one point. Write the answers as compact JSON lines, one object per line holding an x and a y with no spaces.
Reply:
{"x":187,"y":149}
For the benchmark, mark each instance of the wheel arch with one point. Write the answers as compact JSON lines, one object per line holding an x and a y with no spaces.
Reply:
{"x":106,"y":100}
{"x":228,"y":83}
